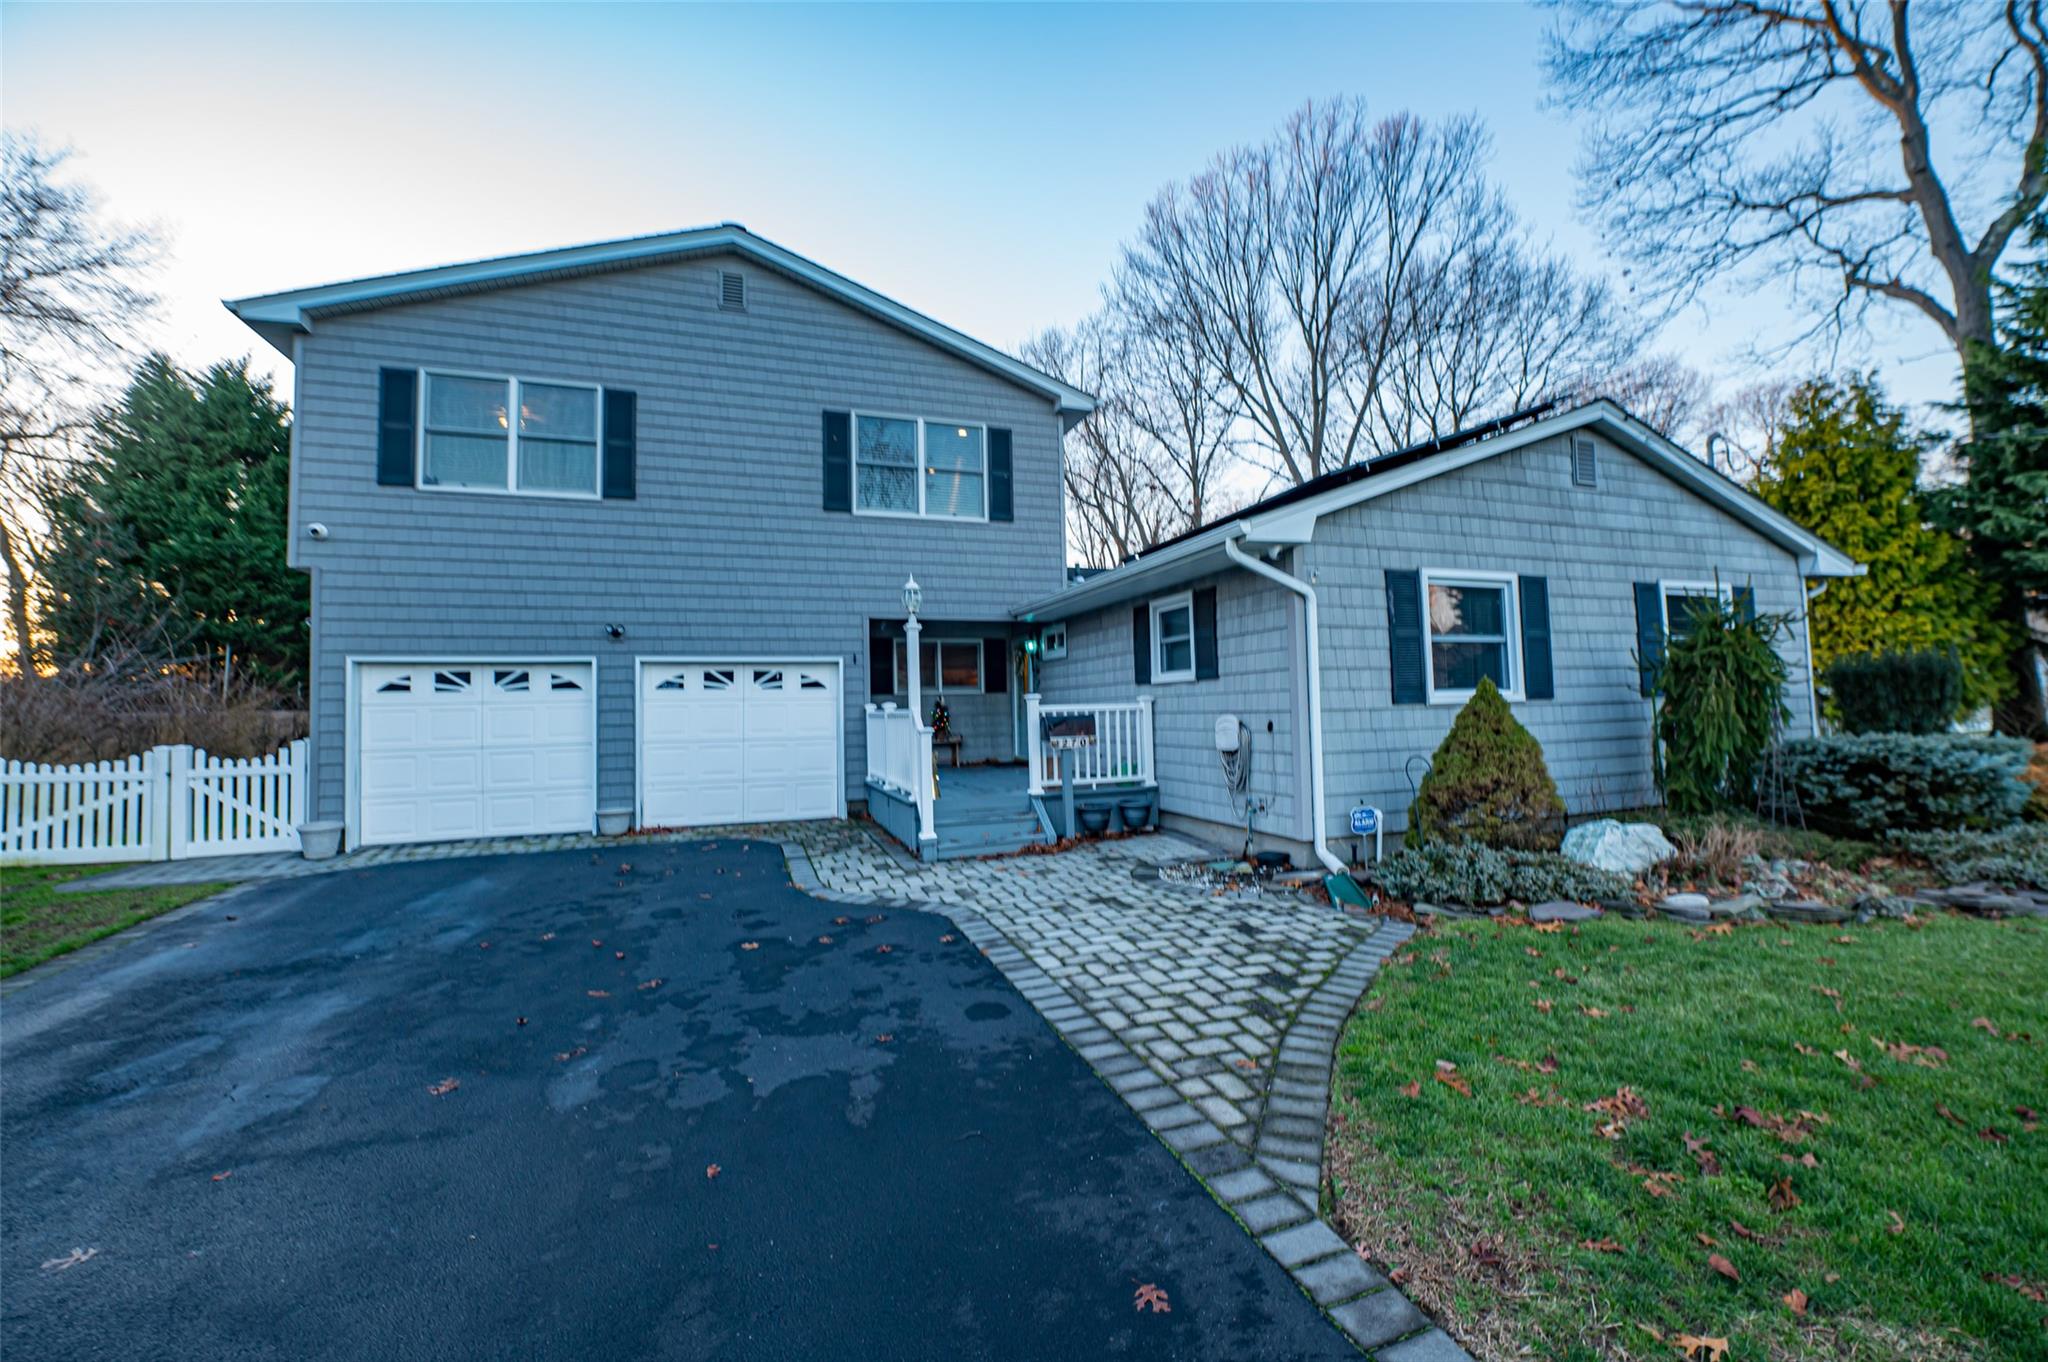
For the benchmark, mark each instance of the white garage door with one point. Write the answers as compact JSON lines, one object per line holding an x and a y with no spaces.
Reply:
{"x":457,"y":749}
{"x":738,"y":742}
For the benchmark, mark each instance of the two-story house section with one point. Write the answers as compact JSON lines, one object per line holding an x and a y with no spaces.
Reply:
{"x":624,"y":528}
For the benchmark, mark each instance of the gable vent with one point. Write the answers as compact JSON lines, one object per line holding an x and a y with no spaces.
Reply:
{"x":1585,"y":468}
{"x":732,"y":291}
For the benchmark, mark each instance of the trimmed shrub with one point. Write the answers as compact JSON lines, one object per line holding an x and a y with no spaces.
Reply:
{"x":2011,"y":856}
{"x":1723,"y":684}
{"x":2037,"y":776}
{"x":1870,"y":784}
{"x":1467,"y":872}
{"x":1906,"y":692}
{"x":1488,"y":783}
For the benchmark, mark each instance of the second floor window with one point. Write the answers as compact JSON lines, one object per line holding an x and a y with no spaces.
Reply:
{"x":905,"y":466}
{"x":509,"y":435}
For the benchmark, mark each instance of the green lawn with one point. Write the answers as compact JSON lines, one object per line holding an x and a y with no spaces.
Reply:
{"x":37,"y":922}
{"x":1531,"y":1233}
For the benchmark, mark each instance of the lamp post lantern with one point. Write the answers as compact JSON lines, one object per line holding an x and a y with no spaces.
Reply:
{"x":913,"y":597}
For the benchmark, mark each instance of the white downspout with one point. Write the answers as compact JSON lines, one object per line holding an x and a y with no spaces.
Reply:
{"x":1315,"y":696}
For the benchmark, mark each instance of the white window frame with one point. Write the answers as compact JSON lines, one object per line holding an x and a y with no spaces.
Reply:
{"x":934,"y":683}
{"x":1724,"y":590}
{"x":1052,"y":642}
{"x":511,"y":487}
{"x":921,"y":468}
{"x":1159,"y":606}
{"x":1512,"y":624}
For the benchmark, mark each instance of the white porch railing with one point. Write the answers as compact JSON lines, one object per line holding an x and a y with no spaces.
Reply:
{"x":1121,"y":754}
{"x":900,"y":760}
{"x":168,"y":803}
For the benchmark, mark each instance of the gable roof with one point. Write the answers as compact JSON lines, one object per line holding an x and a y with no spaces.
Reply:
{"x":277,"y":317}
{"x":1289,"y":518}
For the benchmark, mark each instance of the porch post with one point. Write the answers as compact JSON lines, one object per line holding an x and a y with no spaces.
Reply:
{"x":1145,"y":740}
{"x":1033,"y":753}
{"x":911,"y":630}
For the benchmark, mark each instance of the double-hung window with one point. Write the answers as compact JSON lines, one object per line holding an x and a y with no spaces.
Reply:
{"x":1683,"y":599}
{"x":1473,"y":633}
{"x":943,"y":665}
{"x":508,"y":435}
{"x":906,"y":466}
{"x":1173,"y":638}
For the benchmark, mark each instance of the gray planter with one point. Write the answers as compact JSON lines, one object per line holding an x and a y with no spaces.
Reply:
{"x":613,"y":822}
{"x":319,"y":841}
{"x":1136,"y":813}
{"x":1093,"y":818}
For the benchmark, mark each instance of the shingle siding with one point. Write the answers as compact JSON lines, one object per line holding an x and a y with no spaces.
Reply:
{"x":726,"y":548}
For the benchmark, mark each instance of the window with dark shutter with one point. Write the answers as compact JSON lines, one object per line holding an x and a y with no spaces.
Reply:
{"x":621,"y":444}
{"x":999,"y":495}
{"x":838,"y":461}
{"x":1404,"y":637}
{"x":1141,"y":644}
{"x":397,"y":410}
{"x":1537,"y":680}
{"x":1649,"y":634}
{"x":1205,"y":634}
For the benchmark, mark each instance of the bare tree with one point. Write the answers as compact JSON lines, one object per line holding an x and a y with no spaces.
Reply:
{"x":1750,"y":420}
{"x":1662,"y":391}
{"x":1792,"y":142}
{"x":1275,"y":257}
{"x":1181,"y":400}
{"x":70,"y":295}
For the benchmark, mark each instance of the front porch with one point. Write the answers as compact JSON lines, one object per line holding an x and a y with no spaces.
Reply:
{"x":943,"y":813}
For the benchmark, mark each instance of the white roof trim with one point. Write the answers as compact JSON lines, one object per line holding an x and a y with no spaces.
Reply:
{"x":1295,"y":523}
{"x":278,"y":316}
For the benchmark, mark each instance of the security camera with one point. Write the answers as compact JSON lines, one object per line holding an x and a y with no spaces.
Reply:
{"x":317,"y":530}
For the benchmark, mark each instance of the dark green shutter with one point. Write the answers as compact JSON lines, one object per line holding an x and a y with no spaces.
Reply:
{"x":999,"y":495}
{"x":838,"y":461}
{"x":881,"y":665}
{"x":1404,"y":637}
{"x":995,"y":666}
{"x":1141,"y":644}
{"x":397,"y":410}
{"x":1537,"y":681}
{"x":621,"y":444}
{"x":1745,"y":602}
{"x":1205,"y":634}
{"x":1649,"y":634}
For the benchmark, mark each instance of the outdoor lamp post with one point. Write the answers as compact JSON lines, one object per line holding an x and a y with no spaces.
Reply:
{"x":913,"y":597}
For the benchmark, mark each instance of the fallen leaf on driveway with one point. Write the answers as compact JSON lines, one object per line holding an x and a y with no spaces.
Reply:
{"x":598,"y":992}
{"x":750,"y":945}
{"x":948,"y":939}
{"x":647,"y":984}
{"x":547,"y":936}
{"x":824,"y":940}
{"x":873,"y":918}
{"x":445,"y":1086}
{"x":618,"y":955}
{"x":711,"y":1170}
{"x":223,"y":1177}
{"x":883,"y":950}
{"x":841,"y":921}
{"x":885,"y":1037}
{"x":1151,"y":1295}
{"x":1723,"y":1266}
{"x":69,"y":1260}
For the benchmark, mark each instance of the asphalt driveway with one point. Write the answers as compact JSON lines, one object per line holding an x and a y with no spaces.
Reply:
{"x":685,"y":1123}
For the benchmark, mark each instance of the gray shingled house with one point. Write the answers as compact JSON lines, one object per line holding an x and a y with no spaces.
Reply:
{"x":619,"y":535}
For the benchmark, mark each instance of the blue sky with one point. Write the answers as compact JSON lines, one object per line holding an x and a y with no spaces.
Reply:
{"x":980,"y":163}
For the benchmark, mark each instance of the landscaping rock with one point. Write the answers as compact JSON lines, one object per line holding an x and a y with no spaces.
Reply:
{"x":1625,"y":848}
{"x":1692,"y":907}
{"x":1628,"y":908}
{"x":1739,"y":906}
{"x":1984,"y":899}
{"x":1883,"y":905}
{"x":1557,"y":910}
{"x":1808,"y":910}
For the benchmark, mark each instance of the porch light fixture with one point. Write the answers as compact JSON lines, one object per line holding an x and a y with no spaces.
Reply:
{"x":913,"y":596}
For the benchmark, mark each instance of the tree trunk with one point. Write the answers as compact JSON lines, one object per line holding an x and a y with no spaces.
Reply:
{"x":2024,"y":714}
{"x":17,"y":604}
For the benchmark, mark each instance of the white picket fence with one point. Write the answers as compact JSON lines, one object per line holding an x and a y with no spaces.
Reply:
{"x":166,"y":804}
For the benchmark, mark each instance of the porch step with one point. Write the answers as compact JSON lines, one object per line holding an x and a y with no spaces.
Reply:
{"x":986,"y":832}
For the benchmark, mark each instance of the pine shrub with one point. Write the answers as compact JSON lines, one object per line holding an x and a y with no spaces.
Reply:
{"x":1723,"y":684}
{"x":1870,"y":784}
{"x":1488,"y":783}
{"x":1899,"y":692}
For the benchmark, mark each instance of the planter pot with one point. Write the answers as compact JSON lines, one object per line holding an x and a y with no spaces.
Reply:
{"x":1136,"y":813}
{"x":613,"y":822}
{"x":1093,"y":818}
{"x":319,"y":841}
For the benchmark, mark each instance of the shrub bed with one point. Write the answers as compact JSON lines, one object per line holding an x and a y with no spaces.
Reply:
{"x":1870,"y":784}
{"x":2017,"y":855}
{"x":1466,"y":872}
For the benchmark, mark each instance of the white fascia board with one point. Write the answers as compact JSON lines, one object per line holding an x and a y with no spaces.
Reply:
{"x":277,"y":316}
{"x":1147,"y":576}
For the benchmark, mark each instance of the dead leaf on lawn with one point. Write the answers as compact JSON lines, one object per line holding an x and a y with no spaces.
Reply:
{"x":1803,"y":1048}
{"x":2033,"y":1291}
{"x":1795,"y":1300}
{"x":1782,"y":1197}
{"x":1723,"y":1266}
{"x":1945,"y":1114}
{"x":1600,"y":1245}
{"x":1532,"y":952}
{"x":1898,"y":1225}
{"x":1849,"y":1060}
{"x":1591,"y":1011}
{"x":1707,"y":1240}
{"x":1755,"y":1236}
{"x":1710,"y":1166}
{"x":1806,"y":1160}
{"x":1411,"y":1090}
{"x":1150,"y":1295}
{"x":1448,"y":1075}
{"x":1985,"y":1024}
{"x":1693,"y":1346}
{"x":1543,"y":1004}
{"x":1996,"y":1137}
{"x":444,"y":1087}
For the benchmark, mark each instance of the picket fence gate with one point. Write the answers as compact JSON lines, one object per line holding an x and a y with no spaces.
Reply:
{"x":167,"y":804}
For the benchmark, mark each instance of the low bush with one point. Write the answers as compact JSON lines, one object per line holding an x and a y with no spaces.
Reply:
{"x":1488,"y":783}
{"x":1466,"y":872}
{"x":1714,"y":851}
{"x":1907,"y":692}
{"x":2037,"y":776}
{"x":1869,"y":784}
{"x":2017,"y":855}
{"x":101,"y":712}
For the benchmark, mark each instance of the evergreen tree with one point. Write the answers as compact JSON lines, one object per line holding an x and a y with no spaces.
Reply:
{"x":2002,"y":507}
{"x":170,"y":532}
{"x":1847,"y":468}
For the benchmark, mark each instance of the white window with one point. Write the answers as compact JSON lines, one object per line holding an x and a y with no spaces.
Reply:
{"x":1173,"y":638}
{"x":904,"y":466}
{"x":1474,"y":632}
{"x":944,"y":665}
{"x":1052,"y":643}
{"x":1682,"y":598}
{"x":470,"y":441}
